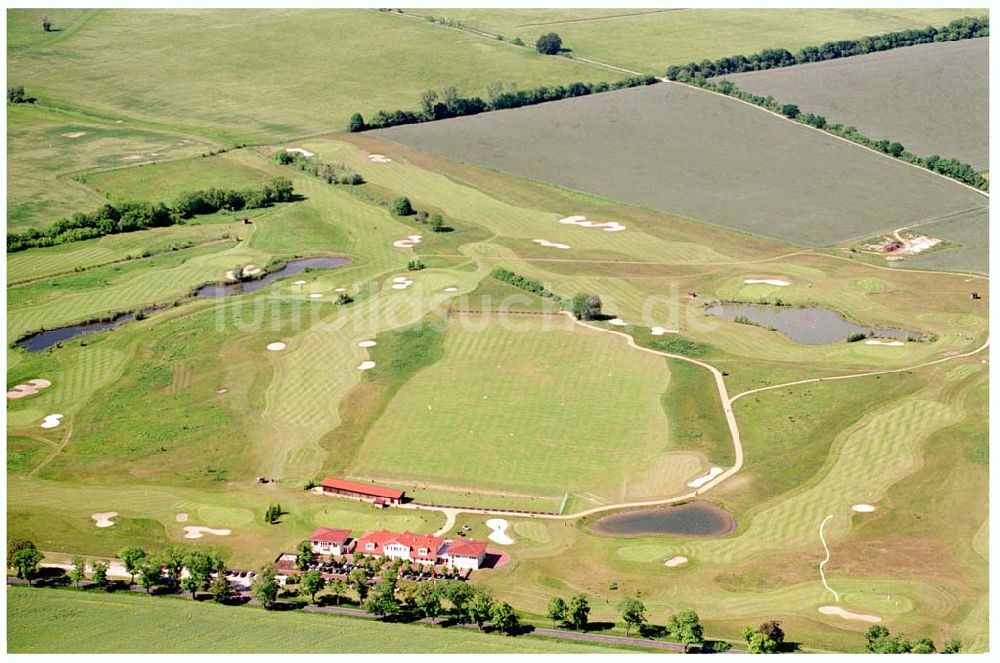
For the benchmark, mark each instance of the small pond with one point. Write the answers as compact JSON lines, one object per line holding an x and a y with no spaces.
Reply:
{"x":690,"y":519}
{"x":46,"y":339}
{"x":291,"y":269}
{"x":809,"y":325}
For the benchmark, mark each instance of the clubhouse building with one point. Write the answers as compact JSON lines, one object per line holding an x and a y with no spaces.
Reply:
{"x":425,"y":550}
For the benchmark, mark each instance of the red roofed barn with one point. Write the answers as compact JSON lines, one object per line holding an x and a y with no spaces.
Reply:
{"x":362,"y":491}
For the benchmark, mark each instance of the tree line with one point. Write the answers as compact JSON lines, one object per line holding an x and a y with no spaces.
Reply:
{"x":583,"y":306}
{"x":328,"y":172}
{"x":445,"y":103}
{"x":132,"y":216}
{"x":953,"y":168}
{"x":771,"y":58}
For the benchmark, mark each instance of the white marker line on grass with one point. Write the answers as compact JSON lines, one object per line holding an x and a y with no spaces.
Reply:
{"x":822,"y":575}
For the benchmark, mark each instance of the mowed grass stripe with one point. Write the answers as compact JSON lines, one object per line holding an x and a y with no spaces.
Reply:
{"x":544,"y":412}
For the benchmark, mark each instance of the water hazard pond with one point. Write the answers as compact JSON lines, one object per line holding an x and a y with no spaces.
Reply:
{"x":808,"y":325}
{"x":41,"y":340}
{"x":690,"y":519}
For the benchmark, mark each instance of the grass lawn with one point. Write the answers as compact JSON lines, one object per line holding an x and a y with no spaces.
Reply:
{"x":649,"y":41}
{"x":322,"y":67}
{"x":166,"y":181}
{"x":598,"y":399}
{"x":45,"y":153}
{"x":56,"y":621}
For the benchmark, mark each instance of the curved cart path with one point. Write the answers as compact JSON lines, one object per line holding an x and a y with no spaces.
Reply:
{"x":734,"y":431}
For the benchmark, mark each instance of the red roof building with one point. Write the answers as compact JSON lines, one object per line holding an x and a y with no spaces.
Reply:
{"x":412,"y":547}
{"x":362,"y":491}
{"x":466,"y":554}
{"x":328,"y":541}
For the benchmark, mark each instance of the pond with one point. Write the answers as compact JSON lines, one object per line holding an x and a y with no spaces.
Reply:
{"x":41,"y":340}
{"x":690,"y":519}
{"x":291,"y":269}
{"x":812,"y":325}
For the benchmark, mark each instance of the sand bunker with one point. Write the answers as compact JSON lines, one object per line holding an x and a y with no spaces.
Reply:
{"x":299,"y":150}
{"x":863,"y":508}
{"x":51,"y":421}
{"x":379,"y":158}
{"x":617,"y":322}
{"x":196,"y":532}
{"x":409,"y":242}
{"x":249,"y":270}
{"x":315,"y":295}
{"x":705,"y":478}
{"x":277,"y":346}
{"x":28,"y":388}
{"x":181,"y":517}
{"x":367,"y":344}
{"x":340,"y":289}
{"x":660,"y":331}
{"x":676,"y":561}
{"x":846,"y":614}
{"x":365,"y":365}
{"x":878,"y":342}
{"x":781,"y":283}
{"x":299,"y":282}
{"x":401,"y":283}
{"x":451,"y":288}
{"x":221,"y":391}
{"x":552,"y":245}
{"x":74,"y":134}
{"x":104,"y":519}
{"x":499,"y":533}
{"x":607,"y":226}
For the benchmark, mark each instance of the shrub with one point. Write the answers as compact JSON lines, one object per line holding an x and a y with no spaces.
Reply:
{"x":402,"y":207}
{"x":16,"y":95}
{"x":356,"y":123}
{"x":549,"y":44}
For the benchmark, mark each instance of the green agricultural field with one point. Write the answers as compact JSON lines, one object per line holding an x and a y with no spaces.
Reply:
{"x":650,"y":40}
{"x":671,"y":147}
{"x":852,"y":92}
{"x":47,"y":149}
{"x":411,"y":366}
{"x":118,"y":624}
{"x":344,"y":62}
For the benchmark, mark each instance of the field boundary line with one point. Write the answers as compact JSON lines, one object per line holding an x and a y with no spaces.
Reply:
{"x":600,"y":18}
{"x":664,"y":79}
{"x":970,"y":353}
{"x":822,"y":574}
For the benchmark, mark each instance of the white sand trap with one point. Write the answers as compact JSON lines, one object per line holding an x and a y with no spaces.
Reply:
{"x":451,"y":288}
{"x":705,"y":478}
{"x":299,"y":150}
{"x":676,"y":561}
{"x":277,"y":346}
{"x":28,"y":388}
{"x":552,"y":245}
{"x":249,"y":270}
{"x":340,"y":290}
{"x":51,"y":421}
{"x":131,"y":157}
{"x":104,"y":519}
{"x":221,"y":391}
{"x":315,"y":295}
{"x":181,"y":517}
{"x":875,"y":341}
{"x":367,"y":344}
{"x":660,"y":331}
{"x":863,"y":508}
{"x":196,"y":532}
{"x":617,"y":322}
{"x":379,"y":158}
{"x":401,"y":284}
{"x":74,"y":134}
{"x":847,"y":614}
{"x":499,"y":533}
{"x":299,"y":282}
{"x":365,"y":365}
{"x":607,"y":226}
{"x":408,"y":243}
{"x":399,"y":279}
{"x":781,"y":283}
